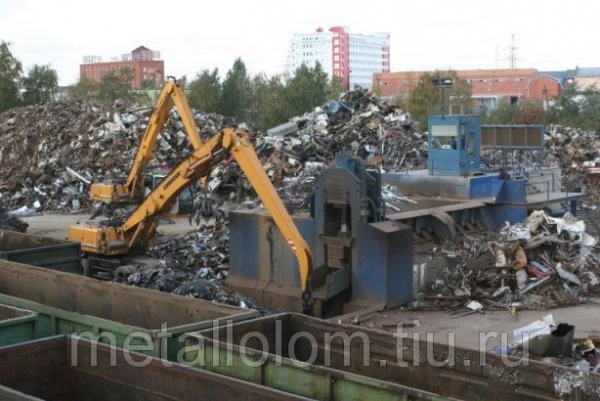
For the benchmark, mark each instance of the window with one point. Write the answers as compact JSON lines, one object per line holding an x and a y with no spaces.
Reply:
{"x":471,"y":143}
{"x":443,"y":137}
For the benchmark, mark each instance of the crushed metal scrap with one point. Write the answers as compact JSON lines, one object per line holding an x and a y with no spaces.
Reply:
{"x":51,"y":153}
{"x":194,"y":264}
{"x":11,"y":222}
{"x":543,"y":262}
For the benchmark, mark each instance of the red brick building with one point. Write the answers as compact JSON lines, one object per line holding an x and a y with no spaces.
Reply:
{"x":488,"y":86}
{"x":143,"y":62}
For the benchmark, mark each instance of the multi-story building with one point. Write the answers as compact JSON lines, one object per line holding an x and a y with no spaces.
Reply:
{"x":488,"y":86}
{"x":145,"y":64}
{"x":352,"y":57}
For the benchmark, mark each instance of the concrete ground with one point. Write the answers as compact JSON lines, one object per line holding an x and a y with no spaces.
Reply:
{"x":467,"y":330}
{"x":481,"y":331}
{"x":56,"y":225}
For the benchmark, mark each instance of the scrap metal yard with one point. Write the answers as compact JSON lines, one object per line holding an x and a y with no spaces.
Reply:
{"x":346,"y":254}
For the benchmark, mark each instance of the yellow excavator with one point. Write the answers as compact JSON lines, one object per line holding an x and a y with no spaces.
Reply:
{"x":136,"y":230}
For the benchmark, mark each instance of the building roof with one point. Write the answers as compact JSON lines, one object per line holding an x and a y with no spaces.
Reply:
{"x":140,"y":49}
{"x":587,"y":72}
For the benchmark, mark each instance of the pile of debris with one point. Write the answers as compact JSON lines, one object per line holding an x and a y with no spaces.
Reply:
{"x":12,"y":223}
{"x":193,"y":264}
{"x":576,"y":151}
{"x":51,"y":153}
{"x":360,"y":123}
{"x":543,"y":262}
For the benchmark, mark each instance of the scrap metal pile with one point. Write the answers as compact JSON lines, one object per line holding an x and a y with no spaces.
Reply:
{"x":577,"y":151}
{"x":51,"y":153}
{"x":192,"y":264}
{"x":12,"y":223}
{"x":574,"y":150}
{"x":543,"y":262}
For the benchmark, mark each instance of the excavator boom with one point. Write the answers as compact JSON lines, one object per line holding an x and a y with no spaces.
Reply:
{"x":132,"y":190}
{"x":139,"y":227}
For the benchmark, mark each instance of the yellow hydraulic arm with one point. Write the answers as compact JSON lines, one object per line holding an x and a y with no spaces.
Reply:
{"x":133,"y":189}
{"x":137,"y":230}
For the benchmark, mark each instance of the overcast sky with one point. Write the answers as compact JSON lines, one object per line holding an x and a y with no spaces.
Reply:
{"x":195,"y":35}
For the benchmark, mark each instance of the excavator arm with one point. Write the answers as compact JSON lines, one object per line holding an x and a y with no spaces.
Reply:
{"x":132,"y":190}
{"x":138,"y":229}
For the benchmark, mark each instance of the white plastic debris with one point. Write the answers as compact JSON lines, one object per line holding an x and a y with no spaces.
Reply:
{"x":541,"y":327}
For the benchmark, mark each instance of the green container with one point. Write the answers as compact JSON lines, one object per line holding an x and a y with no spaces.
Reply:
{"x":17,"y":325}
{"x":327,"y":361}
{"x":73,"y":369}
{"x":147,"y":321}
{"x":234,"y":351}
{"x":46,"y":252}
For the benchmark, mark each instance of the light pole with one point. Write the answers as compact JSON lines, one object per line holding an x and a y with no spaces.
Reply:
{"x":442,"y":83}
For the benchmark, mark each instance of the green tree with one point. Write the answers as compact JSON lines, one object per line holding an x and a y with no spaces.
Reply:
{"x":529,"y":112}
{"x":306,"y":89}
{"x":234,"y":100}
{"x":504,"y":113}
{"x":268,"y":107}
{"x":424,"y":98}
{"x":85,"y":89}
{"x":336,"y":87}
{"x":590,"y":109}
{"x":150,"y":84}
{"x":10,"y":75}
{"x":205,"y":91}
{"x":40,"y":84}
{"x":565,"y":109}
{"x":116,"y":85}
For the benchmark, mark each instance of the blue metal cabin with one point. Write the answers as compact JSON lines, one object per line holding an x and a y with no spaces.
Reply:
{"x":454,"y":145}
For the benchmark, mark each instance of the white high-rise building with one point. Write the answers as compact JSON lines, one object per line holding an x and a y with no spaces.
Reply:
{"x":352,"y":57}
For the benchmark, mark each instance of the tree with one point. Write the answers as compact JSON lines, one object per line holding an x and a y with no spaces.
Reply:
{"x":590,"y":109}
{"x":504,"y":113}
{"x":150,"y":84}
{"x":40,"y":85}
{"x":336,"y":87}
{"x":566,"y":107}
{"x":85,"y":89}
{"x":10,"y":75}
{"x":424,"y":98}
{"x":205,"y":91}
{"x":116,"y":85}
{"x":529,"y":112}
{"x":306,"y":89}
{"x":268,"y":107}
{"x":234,"y":100}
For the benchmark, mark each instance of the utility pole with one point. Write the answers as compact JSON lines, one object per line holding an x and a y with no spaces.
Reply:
{"x":513,"y":53}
